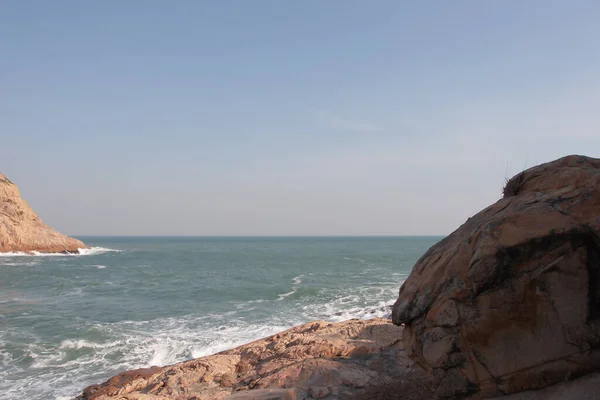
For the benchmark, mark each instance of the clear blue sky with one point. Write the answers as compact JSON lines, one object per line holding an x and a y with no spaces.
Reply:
{"x":288,"y":117}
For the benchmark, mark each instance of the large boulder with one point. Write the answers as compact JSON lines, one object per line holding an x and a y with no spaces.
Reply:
{"x":510,"y":301}
{"x":22,"y":230}
{"x":585,"y":388}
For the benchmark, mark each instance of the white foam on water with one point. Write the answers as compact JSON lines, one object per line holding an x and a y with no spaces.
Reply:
{"x":181,"y":340}
{"x":79,"y":291}
{"x":92,"y":251}
{"x":132,"y":344}
{"x":363,"y":303}
{"x":296,"y":282}
{"x":284,"y":295}
{"x":68,"y":367}
{"x":45,"y":360}
{"x":256,"y":301}
{"x":100,"y":266}
{"x":17,"y":264}
{"x":61,"y":370}
{"x":359,"y":260}
{"x":82,"y":343}
{"x":381,"y":310}
{"x":235,"y":336}
{"x":81,"y":252}
{"x":15,"y":254}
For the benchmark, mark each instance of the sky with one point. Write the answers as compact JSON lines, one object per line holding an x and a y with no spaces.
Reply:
{"x":276,"y":117}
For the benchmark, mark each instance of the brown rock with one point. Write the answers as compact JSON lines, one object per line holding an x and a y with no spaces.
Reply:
{"x":311,"y":361}
{"x":510,"y":301}
{"x":22,"y":230}
{"x":265,"y":394}
{"x":119,"y":383}
{"x":584,"y":388}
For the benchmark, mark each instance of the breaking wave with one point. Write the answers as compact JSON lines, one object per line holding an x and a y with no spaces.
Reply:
{"x":92,"y":251}
{"x":71,"y":322}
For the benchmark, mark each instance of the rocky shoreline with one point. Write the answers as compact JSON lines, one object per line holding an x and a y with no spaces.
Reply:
{"x":506,"y":307}
{"x":355,"y":359}
{"x":22,"y":230}
{"x":350,"y":360}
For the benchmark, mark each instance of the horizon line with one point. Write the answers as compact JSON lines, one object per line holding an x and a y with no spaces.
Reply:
{"x":259,"y":236}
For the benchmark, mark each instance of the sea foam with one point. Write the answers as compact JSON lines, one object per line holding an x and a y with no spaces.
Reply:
{"x":92,"y":251}
{"x":296,"y":283}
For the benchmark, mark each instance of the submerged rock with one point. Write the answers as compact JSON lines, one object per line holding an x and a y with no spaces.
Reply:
{"x":356,"y":359}
{"x":510,"y":301}
{"x":22,"y":230}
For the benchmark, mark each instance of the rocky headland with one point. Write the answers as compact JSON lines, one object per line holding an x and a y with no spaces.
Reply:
{"x":510,"y":301}
{"x":506,"y":307}
{"x":21,"y":230}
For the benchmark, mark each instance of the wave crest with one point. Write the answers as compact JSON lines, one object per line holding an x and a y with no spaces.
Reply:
{"x":92,"y":251}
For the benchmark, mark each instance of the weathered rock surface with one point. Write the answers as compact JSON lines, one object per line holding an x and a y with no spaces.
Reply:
{"x":22,"y":230}
{"x":584,"y":388}
{"x":511,"y":300}
{"x":356,"y":359}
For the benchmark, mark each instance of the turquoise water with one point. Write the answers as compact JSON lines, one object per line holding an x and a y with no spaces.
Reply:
{"x":69,"y":321}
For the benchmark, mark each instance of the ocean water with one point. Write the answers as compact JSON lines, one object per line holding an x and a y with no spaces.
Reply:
{"x":68,"y":321}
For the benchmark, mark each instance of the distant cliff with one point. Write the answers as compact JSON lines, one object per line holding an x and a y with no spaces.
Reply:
{"x":22,"y":230}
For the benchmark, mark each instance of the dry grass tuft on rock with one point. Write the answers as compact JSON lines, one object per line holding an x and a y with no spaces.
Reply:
{"x":512,"y":186}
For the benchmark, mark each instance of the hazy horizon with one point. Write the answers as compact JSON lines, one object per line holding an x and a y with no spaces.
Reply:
{"x":258,"y":236}
{"x":279,"y":118}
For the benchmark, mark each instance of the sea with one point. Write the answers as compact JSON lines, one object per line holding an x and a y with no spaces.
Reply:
{"x":69,"y":321}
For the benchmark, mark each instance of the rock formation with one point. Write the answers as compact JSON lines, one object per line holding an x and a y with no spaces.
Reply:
{"x":510,"y":301}
{"x":584,"y":388}
{"x":22,"y":230}
{"x":355,"y":359}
